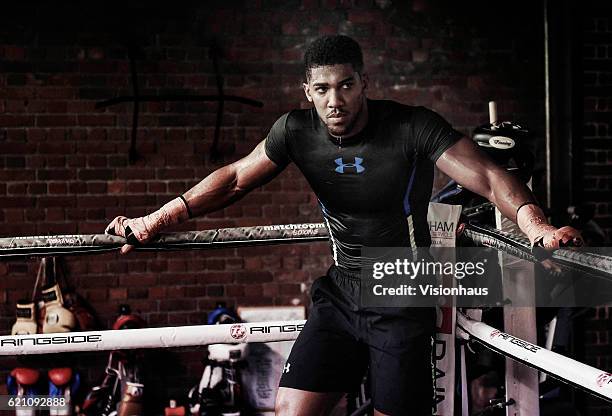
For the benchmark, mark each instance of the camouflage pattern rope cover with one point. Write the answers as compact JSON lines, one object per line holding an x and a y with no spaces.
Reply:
{"x":189,"y":240}
{"x":598,"y":263}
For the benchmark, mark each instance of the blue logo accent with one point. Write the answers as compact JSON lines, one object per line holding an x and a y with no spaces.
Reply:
{"x":342,"y":166}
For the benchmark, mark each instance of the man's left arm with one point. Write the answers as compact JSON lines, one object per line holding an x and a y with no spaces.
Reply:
{"x":473,"y":169}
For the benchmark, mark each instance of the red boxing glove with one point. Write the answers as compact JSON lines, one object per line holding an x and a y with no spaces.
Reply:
{"x":63,"y":383}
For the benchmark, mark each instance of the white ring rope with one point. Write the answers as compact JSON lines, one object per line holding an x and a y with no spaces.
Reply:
{"x":180,"y":336}
{"x":570,"y":371}
{"x":591,"y":379}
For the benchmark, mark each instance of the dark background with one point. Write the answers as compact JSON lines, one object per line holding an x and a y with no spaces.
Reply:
{"x":64,"y":165}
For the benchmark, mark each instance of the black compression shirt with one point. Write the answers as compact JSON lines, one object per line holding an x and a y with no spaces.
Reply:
{"x":373,"y":188}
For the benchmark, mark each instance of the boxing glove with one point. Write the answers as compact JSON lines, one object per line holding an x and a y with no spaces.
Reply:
{"x":131,"y":403}
{"x":83,"y":313}
{"x":57,"y":318}
{"x":26,"y":319}
{"x":101,"y":399}
{"x":23,"y":382}
{"x":128,"y":320}
{"x":174,"y":410}
{"x":63,"y":383}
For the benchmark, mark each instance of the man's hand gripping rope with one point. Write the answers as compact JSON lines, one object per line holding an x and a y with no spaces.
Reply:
{"x":544,"y":237}
{"x":142,"y":229}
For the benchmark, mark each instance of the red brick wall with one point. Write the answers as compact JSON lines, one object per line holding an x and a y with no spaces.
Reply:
{"x":64,"y":165}
{"x":597,"y":168}
{"x":597,"y":140}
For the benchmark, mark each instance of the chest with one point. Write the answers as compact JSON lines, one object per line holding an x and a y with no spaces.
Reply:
{"x":371,"y":174}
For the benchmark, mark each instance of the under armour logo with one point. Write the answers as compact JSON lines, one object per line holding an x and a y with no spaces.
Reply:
{"x":357,"y":165}
{"x":286,"y":368}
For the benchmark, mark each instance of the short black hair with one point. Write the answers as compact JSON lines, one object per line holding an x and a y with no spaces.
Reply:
{"x":333,"y":50}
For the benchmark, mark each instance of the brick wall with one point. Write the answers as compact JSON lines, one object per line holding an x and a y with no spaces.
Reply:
{"x":597,"y":140}
{"x":64,"y":165}
{"x":597,"y":169}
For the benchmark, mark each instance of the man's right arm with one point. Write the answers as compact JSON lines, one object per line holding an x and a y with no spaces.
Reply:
{"x":231,"y":182}
{"x":218,"y":190}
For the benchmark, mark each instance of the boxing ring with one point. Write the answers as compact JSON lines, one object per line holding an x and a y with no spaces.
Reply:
{"x":590,"y":379}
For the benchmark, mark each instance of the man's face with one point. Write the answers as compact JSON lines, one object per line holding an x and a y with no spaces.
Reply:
{"x":338,"y":94}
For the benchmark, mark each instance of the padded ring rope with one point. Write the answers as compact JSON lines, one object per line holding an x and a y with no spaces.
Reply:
{"x":165,"y":337}
{"x":575,"y":373}
{"x":483,"y":235}
{"x":190,"y":240}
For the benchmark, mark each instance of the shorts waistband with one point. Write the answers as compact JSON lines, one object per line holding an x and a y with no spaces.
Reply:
{"x":338,"y":272}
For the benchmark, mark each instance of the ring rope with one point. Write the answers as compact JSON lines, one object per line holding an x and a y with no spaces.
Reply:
{"x":190,"y":240}
{"x":483,"y":235}
{"x":164,"y":337}
{"x":567,"y":370}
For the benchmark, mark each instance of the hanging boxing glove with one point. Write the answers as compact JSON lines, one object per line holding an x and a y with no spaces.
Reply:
{"x":57,"y":318}
{"x":131,"y":403}
{"x":84,"y":314}
{"x":26,"y":318}
{"x":101,"y":400}
{"x":127,"y":319}
{"x":63,"y":383}
{"x":174,"y":410}
{"x":23,"y":382}
{"x":82,"y":311}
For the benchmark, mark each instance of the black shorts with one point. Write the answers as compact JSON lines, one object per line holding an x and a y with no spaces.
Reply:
{"x":341,"y":340}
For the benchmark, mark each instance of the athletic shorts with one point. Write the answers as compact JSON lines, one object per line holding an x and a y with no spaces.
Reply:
{"x":341,"y":340}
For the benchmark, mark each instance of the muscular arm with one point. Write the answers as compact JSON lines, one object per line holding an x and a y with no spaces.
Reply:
{"x":219,"y":189}
{"x":469,"y":166}
{"x":473,"y":169}
{"x":231,"y":182}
